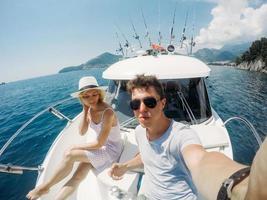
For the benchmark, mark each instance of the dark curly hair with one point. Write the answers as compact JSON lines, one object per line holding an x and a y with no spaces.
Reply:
{"x":142,"y":81}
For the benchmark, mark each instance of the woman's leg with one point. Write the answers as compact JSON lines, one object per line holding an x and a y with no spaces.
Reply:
{"x":75,"y":180}
{"x":61,"y":172}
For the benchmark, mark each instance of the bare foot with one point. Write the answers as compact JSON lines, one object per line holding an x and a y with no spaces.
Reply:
{"x":37,"y":192}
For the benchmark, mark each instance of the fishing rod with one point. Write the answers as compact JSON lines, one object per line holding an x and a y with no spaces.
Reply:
{"x":183,"y":38}
{"x":120,"y":46}
{"x":173,"y":22}
{"x":160,"y":35}
{"x":136,"y":36}
{"x":127,"y":44}
{"x":147,"y":32}
{"x":192,"y":42}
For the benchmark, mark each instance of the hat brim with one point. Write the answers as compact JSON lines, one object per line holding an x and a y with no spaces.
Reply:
{"x":77,"y":94}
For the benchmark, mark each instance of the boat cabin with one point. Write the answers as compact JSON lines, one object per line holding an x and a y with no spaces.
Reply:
{"x":183,"y":80}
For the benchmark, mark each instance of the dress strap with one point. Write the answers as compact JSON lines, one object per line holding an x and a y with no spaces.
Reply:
{"x":105,"y":111}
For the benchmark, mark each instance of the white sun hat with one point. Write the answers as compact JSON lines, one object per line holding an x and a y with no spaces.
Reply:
{"x":87,"y":83}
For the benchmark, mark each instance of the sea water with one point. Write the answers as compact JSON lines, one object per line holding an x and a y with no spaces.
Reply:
{"x":232,"y":92}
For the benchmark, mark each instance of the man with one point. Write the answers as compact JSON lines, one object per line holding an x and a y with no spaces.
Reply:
{"x":175,"y":163}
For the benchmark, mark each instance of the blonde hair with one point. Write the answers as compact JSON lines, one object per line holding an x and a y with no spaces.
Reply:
{"x":101,"y":96}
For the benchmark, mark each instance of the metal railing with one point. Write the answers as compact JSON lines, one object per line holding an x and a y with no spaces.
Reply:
{"x":187,"y":108}
{"x":14,"y":169}
{"x":249,"y":125}
{"x":9,"y":168}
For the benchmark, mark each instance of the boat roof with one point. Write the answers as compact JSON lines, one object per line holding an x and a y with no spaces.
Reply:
{"x":162,"y":66}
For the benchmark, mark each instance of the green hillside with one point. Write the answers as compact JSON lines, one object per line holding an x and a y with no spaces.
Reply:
{"x":102,"y":61}
{"x":257,"y":51}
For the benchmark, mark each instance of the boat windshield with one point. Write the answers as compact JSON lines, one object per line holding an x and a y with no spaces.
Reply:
{"x":187,"y":100}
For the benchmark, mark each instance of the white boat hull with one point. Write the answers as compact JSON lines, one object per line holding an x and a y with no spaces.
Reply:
{"x":212,"y":133}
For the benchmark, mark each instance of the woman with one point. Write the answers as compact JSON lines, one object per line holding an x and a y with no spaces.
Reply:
{"x":98,"y":120}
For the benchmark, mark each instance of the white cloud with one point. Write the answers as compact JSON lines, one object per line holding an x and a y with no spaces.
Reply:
{"x":233,"y":22}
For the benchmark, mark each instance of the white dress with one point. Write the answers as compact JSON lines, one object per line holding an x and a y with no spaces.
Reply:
{"x":110,"y":151}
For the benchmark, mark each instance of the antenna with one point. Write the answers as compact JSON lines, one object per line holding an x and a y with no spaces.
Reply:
{"x":147,"y":33}
{"x":120,"y":46}
{"x":136,"y":36}
{"x":183,"y":38}
{"x":173,"y":21}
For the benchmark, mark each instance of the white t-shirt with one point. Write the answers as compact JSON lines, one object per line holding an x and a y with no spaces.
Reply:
{"x":166,"y":174}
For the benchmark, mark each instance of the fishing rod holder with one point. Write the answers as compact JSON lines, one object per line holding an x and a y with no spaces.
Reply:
{"x":58,"y":114}
{"x":14,"y":169}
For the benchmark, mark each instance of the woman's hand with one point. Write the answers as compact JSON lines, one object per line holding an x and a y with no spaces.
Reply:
{"x":83,"y":127}
{"x":117,"y":171}
{"x":85,"y":108}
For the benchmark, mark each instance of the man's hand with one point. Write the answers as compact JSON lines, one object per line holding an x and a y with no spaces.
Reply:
{"x":74,"y":147}
{"x":117,"y":171}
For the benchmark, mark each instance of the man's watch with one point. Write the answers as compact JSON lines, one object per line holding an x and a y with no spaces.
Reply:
{"x":228,"y":185}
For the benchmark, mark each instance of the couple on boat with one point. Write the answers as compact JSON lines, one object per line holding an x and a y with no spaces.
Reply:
{"x":175,"y":163}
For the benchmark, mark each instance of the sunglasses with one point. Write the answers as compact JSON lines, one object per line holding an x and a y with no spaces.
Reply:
{"x":88,"y":96}
{"x":149,"y":102}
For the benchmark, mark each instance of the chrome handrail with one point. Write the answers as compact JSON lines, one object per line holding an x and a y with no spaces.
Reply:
{"x":58,"y":114}
{"x":249,"y":125}
{"x":128,"y":121}
{"x":28,"y":122}
{"x":14,"y":169}
{"x":187,"y":108}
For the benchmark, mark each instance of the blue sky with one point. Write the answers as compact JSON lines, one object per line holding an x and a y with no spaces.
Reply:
{"x":40,"y":37}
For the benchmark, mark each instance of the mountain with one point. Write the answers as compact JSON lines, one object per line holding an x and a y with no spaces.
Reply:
{"x":236,"y":49}
{"x":226,"y":53}
{"x":212,"y":55}
{"x":102,"y":61}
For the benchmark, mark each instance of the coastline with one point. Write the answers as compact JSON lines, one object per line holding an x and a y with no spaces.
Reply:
{"x":256,"y":66}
